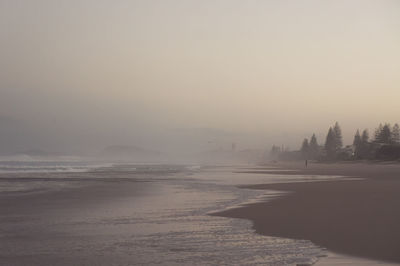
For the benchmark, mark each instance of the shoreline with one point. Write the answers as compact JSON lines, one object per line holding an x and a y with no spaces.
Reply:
{"x":124,"y":222}
{"x":354,"y":217}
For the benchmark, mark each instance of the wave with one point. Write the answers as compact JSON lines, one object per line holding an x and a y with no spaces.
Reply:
{"x":48,"y":166}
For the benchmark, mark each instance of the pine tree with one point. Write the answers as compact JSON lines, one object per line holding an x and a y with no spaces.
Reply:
{"x":365,"y":136}
{"x":396,"y":134}
{"x":364,"y":145}
{"x":378,"y":133}
{"x":357,"y":138}
{"x":357,"y":144}
{"x":305,"y":148}
{"x":330,"y":144}
{"x":338,"y":136}
{"x":313,"y":146}
{"x":386,"y":134}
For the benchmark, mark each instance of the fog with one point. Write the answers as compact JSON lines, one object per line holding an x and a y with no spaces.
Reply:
{"x":181,"y":77}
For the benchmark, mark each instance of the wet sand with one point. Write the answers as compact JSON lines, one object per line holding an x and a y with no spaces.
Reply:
{"x":355,"y":217}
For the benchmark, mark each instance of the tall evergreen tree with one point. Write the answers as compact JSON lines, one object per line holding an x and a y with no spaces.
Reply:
{"x":396,"y":134}
{"x":365,"y":136}
{"x":357,"y":144}
{"x":313,"y":147}
{"x":364,"y":145}
{"x":357,"y":138}
{"x":305,"y":148}
{"x":378,"y":133}
{"x":386,"y":134}
{"x":330,"y":144}
{"x":338,"y":136}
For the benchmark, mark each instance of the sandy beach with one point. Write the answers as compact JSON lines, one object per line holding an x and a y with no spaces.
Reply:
{"x":359,"y":216}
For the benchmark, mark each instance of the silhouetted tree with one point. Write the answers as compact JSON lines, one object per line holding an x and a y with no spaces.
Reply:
{"x":385,"y":135}
{"x":364,"y":146}
{"x":305,"y":148}
{"x":313,"y":147}
{"x":330,"y":144}
{"x":378,"y":132}
{"x":338,"y":136}
{"x":365,"y":136}
{"x":396,"y":134}
{"x":357,"y":144}
{"x":389,"y":137}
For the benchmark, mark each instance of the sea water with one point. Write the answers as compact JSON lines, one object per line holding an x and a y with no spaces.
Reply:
{"x":167,"y":224}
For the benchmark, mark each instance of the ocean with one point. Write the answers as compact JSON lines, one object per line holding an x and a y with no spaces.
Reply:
{"x":76,"y":212}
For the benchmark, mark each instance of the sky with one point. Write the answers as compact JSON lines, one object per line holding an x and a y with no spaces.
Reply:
{"x":76,"y":76}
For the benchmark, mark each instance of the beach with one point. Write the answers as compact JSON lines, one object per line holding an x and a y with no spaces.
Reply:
{"x":181,"y":215}
{"x":138,"y":215}
{"x":358,"y":215}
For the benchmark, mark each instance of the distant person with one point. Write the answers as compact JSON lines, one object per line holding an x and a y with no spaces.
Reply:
{"x":306,"y":163}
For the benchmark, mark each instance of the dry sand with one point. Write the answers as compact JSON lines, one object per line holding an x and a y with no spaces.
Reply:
{"x":355,"y":217}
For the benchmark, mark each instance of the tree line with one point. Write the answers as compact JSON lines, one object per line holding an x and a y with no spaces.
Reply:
{"x":385,"y":145}
{"x":330,"y":150}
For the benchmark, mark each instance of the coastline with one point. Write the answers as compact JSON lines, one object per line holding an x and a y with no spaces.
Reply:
{"x":356,"y":217}
{"x":127,"y":218}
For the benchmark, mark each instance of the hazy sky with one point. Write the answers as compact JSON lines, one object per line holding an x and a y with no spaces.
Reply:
{"x":84,"y":74}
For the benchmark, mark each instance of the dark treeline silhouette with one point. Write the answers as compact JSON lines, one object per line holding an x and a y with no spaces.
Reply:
{"x":333,"y":142}
{"x":310,"y":150}
{"x":385,"y":145}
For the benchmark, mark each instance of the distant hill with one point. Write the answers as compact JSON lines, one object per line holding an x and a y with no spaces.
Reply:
{"x":127,"y":152}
